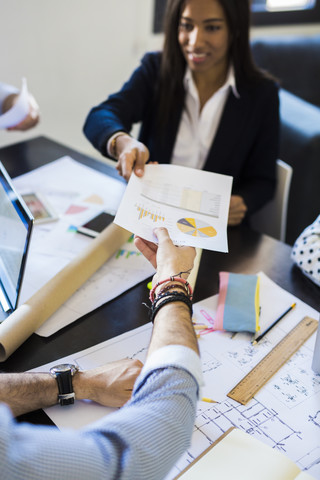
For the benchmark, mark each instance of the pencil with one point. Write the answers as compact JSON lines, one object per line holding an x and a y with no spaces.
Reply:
{"x":208,"y":400}
{"x":254,"y":342}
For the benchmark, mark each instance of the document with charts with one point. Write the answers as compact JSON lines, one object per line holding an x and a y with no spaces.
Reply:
{"x":192,"y":204}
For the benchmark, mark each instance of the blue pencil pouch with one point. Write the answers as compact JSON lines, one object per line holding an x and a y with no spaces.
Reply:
{"x":238,"y":303}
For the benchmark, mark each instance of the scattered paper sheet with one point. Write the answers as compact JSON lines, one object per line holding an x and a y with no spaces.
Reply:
{"x":284,"y":413}
{"x":249,"y":458}
{"x":19,"y":110}
{"x":41,"y":306}
{"x":77,"y":193}
{"x":192,"y":204}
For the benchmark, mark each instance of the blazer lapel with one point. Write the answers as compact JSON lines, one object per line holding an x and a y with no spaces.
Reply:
{"x":164,"y":144}
{"x":221,"y":157}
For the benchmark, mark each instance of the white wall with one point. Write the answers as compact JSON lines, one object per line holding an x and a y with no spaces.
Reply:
{"x":74,"y":53}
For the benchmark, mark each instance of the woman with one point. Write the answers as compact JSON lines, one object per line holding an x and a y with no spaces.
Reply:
{"x":202,"y":103}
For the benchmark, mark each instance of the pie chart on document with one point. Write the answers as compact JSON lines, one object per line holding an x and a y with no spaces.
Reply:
{"x":196,"y":228}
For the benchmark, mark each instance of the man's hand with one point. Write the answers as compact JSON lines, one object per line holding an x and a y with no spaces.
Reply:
{"x":173,"y":324}
{"x":166,"y":257}
{"x":237,"y":210}
{"x":110,"y":385}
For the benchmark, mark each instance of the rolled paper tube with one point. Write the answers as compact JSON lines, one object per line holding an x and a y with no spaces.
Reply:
{"x":194,"y":272}
{"x":27,"y":318}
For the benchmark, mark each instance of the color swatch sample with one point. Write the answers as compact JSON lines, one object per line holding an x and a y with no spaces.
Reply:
{"x":196,"y":228}
{"x":74,"y":209}
{"x":127,"y":253}
{"x":94,"y":198}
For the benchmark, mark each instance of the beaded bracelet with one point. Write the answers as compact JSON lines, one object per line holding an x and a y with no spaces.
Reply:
{"x":171,"y":279}
{"x":177,"y":297}
{"x":165,"y":295}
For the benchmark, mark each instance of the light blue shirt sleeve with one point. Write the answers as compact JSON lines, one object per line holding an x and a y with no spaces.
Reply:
{"x":6,"y":90}
{"x":142,"y":440}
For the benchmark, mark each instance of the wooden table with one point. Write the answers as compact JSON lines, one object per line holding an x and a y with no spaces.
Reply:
{"x":249,"y":252}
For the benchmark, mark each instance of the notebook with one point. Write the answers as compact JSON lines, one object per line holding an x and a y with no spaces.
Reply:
{"x":16,"y":224}
{"x":237,"y":455}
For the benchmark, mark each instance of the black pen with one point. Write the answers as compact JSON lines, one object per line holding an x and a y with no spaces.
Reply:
{"x":273,"y":324}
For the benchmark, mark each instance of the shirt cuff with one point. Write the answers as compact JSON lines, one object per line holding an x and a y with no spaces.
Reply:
{"x":109,"y":142}
{"x":177,"y":356}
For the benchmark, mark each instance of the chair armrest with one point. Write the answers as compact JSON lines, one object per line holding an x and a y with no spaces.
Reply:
{"x":300,"y":148}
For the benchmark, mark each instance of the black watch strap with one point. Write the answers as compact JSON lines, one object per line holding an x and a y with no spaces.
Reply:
{"x":66,"y":393}
{"x":63,"y":374}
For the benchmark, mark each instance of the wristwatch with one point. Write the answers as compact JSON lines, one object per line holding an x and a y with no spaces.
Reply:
{"x":63,"y":374}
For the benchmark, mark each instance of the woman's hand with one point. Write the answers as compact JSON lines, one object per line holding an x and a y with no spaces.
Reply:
{"x":237,"y":210}
{"x":166,"y":257}
{"x":132,"y":156}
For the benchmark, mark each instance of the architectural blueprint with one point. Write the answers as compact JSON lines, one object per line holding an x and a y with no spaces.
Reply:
{"x":285,"y":413}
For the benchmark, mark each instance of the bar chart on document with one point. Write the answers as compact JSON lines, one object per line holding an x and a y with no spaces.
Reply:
{"x":192,"y":204}
{"x":154,"y":215}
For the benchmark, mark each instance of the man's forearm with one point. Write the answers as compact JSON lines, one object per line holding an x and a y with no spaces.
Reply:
{"x":25,"y":392}
{"x":29,"y":391}
{"x":110,"y":384}
{"x":173,"y":326}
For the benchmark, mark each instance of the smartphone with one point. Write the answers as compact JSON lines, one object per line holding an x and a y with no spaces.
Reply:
{"x":38,"y":205}
{"x":93,"y":227}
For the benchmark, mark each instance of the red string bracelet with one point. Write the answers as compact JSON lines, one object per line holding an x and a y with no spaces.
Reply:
{"x":171,"y":279}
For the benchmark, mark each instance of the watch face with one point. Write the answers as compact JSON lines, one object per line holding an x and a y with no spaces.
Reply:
{"x":64,"y":367}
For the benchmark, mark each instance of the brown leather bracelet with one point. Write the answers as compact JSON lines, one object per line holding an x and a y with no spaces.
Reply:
{"x":172,"y":286}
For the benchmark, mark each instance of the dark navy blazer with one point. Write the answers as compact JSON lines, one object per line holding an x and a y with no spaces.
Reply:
{"x":246,"y":142}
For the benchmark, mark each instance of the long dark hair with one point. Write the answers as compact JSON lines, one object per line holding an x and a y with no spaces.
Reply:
{"x":173,"y":64}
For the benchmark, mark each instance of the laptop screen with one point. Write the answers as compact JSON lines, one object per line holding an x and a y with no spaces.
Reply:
{"x":15,"y":231}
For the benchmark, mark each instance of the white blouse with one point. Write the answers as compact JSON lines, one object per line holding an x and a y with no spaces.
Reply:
{"x":197,"y":129}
